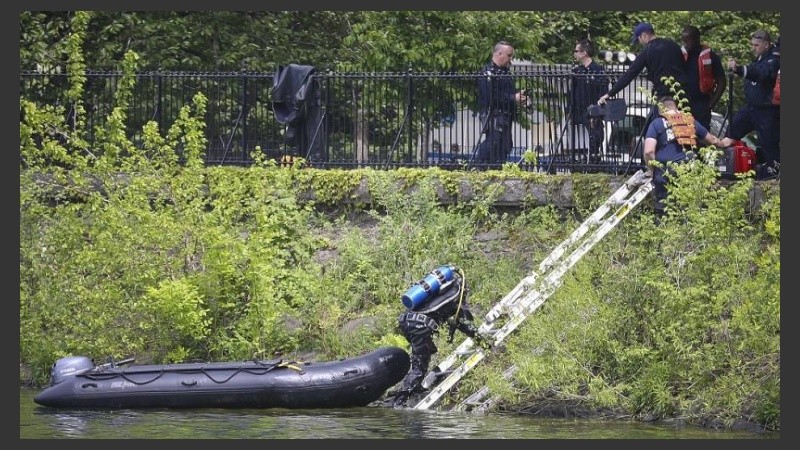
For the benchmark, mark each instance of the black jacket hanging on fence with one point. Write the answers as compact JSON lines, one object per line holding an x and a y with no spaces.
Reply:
{"x":296,"y":103}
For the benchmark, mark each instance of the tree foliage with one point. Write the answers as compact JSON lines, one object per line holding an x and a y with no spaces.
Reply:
{"x":438,"y":41}
{"x":126,"y":252}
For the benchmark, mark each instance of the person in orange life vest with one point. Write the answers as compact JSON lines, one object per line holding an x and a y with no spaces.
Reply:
{"x":776,"y":91}
{"x":705,"y":76}
{"x":760,"y":113}
{"x":668,"y":138}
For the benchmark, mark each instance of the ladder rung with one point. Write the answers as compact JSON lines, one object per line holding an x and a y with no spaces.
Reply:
{"x":523,"y":300}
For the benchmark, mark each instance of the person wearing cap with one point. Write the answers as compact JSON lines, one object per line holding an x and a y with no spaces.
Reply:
{"x":705,"y":76}
{"x":661,"y":57}
{"x":759,"y":113}
{"x":667,"y":140}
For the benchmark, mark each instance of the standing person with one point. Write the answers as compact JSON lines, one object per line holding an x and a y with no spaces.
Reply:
{"x":759,"y":112}
{"x":497,"y":105}
{"x":667,"y":139}
{"x":661,"y":57}
{"x":421,"y":321}
{"x":705,"y":76}
{"x":589,"y":83}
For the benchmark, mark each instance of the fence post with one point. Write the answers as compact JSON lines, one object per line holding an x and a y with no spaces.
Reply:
{"x":245,"y":155}
{"x":160,"y":106}
{"x":410,"y":103}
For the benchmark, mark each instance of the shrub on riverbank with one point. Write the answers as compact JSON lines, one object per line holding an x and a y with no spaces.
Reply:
{"x":128,"y":252}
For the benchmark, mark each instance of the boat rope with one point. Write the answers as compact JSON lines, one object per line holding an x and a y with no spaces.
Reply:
{"x":127,"y":376}
{"x":123,"y":375}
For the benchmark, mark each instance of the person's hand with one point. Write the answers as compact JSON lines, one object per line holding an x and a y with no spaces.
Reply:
{"x":482,"y":341}
{"x":521,"y":97}
{"x":602,"y":100}
{"x":649,"y":172}
{"x":724,"y":142}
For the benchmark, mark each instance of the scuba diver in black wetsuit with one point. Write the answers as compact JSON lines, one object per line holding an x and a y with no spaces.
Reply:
{"x":440,"y":297}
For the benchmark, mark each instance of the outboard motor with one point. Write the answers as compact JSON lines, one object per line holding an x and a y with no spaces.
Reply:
{"x":68,"y":367}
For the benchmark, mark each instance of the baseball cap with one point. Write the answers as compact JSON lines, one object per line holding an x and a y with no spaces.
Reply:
{"x":640,"y":28}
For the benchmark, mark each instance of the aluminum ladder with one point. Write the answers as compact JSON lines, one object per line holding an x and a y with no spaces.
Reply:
{"x":506,"y":315}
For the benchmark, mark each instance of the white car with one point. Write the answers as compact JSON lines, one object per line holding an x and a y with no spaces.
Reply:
{"x":624,"y":135}
{"x":622,"y":140}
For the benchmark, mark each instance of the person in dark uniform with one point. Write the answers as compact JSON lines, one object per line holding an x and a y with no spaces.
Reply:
{"x":705,"y":76}
{"x":668,"y":138}
{"x":661,"y":57}
{"x":497,"y":105}
{"x":589,"y":83}
{"x":420,"y":322}
{"x":759,"y":112}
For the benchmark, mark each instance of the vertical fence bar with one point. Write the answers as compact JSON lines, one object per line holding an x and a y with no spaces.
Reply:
{"x":245,"y":108}
{"x":387,"y":118}
{"x":410,"y":103}
{"x":160,"y":101}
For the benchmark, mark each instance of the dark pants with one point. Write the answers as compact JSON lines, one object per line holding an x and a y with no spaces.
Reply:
{"x":420,"y":335}
{"x":661,"y":174}
{"x":594,"y":128}
{"x":496,"y":147}
{"x":596,"y":137}
{"x":766,"y":122}
{"x":701,"y":111}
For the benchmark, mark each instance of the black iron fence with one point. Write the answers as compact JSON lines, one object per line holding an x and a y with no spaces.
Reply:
{"x":380,"y":120}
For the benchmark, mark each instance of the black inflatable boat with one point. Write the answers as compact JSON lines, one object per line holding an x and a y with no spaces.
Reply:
{"x":77,"y":382}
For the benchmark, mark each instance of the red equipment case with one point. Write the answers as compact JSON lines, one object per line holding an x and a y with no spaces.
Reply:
{"x":738,"y":158}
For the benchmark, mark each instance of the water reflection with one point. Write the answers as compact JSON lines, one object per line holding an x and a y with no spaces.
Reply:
{"x":347,"y":423}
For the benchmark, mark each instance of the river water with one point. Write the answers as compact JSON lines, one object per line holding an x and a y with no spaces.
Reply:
{"x":37,"y":422}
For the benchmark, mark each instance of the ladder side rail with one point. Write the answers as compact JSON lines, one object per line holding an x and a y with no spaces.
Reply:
{"x":510,"y":301}
{"x":437,"y":392}
{"x":614,"y":200}
{"x":511,"y":298}
{"x":476,"y":402}
{"x":552,"y":281}
{"x":465,"y":348}
{"x":533,"y":300}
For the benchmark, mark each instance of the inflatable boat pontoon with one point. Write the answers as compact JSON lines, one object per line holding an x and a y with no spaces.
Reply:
{"x":358,"y":381}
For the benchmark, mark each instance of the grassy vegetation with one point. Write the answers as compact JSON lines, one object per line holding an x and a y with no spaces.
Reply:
{"x":129,"y":252}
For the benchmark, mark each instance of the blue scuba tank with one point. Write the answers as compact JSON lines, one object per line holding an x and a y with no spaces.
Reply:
{"x":427,"y":287}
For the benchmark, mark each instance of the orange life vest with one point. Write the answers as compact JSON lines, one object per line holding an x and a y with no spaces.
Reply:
{"x":680,"y":127}
{"x":776,"y":91}
{"x":705,"y":68}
